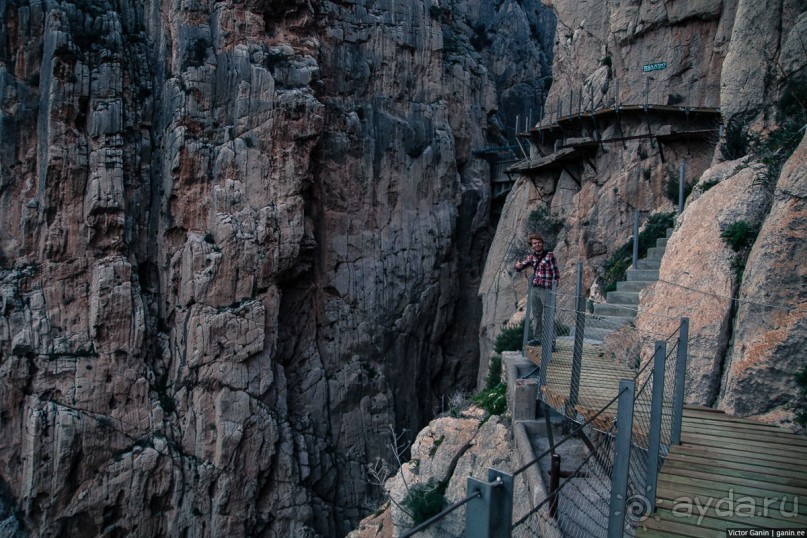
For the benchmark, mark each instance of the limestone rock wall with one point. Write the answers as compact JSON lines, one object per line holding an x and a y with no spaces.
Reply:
{"x":237,"y":239}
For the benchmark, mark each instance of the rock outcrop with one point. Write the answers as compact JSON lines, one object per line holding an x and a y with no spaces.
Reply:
{"x":448,"y":451}
{"x":771,"y":322}
{"x":698,"y":274}
{"x":237,"y":240}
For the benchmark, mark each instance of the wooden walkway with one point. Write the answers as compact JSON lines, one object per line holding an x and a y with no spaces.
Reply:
{"x":729,"y":473}
{"x":599,"y":380}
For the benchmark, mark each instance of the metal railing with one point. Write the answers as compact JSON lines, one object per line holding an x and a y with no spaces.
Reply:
{"x":624,"y":395}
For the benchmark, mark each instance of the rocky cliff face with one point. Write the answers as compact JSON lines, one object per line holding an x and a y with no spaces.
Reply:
{"x":745,"y":58}
{"x":238,"y":240}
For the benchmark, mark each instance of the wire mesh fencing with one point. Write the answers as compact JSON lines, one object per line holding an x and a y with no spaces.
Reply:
{"x":623,"y":403}
{"x":581,"y":367}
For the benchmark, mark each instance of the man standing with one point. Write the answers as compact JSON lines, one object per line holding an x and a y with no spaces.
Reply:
{"x":545,"y":274}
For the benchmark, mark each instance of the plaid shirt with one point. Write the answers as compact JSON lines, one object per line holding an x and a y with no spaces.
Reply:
{"x":546,"y":268}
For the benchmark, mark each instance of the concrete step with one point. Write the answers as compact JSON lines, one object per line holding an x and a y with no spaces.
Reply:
{"x":670,"y":232}
{"x":607,"y":324}
{"x":645,"y":263}
{"x":635,"y":286}
{"x":623,"y":297}
{"x":645,"y":275}
{"x":620,"y":310}
{"x":655,"y":253}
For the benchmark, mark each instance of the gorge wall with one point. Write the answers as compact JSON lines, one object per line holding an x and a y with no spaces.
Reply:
{"x":238,"y":241}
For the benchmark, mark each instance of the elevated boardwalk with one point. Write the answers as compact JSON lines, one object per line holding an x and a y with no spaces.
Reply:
{"x":599,"y":380}
{"x":577,"y":136}
{"x":729,"y":473}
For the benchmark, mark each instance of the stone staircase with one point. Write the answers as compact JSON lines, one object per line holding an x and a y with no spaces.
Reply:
{"x":622,"y":305}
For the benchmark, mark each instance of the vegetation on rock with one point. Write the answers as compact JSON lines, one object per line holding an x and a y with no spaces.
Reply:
{"x":510,"y":339}
{"x":425,"y":500}
{"x":493,"y":398}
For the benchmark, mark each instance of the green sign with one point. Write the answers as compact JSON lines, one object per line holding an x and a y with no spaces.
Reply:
{"x":654,"y":67}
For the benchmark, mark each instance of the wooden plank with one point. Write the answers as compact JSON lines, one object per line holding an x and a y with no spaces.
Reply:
{"x":720,"y":415}
{"x":787,"y":508}
{"x":726,"y":422}
{"x":773,"y":508}
{"x":762,"y":458}
{"x":702,"y":409}
{"x":694,"y":481}
{"x":740,"y":427}
{"x":776,"y":438}
{"x":690,"y":414}
{"x":749,"y":445}
{"x":688,"y":459}
{"x":682,"y":529}
{"x":740,"y":481}
{"x":709,"y":518}
{"x":673,"y":467}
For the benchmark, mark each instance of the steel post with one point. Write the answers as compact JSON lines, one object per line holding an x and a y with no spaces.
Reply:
{"x":680,"y":378}
{"x":656,"y":408}
{"x":490,"y":514}
{"x":527,"y":319}
{"x":681,"y":189}
{"x":554,"y":485}
{"x":619,"y":476}
{"x":579,"y":333}
{"x":548,"y":333}
{"x":636,"y":239}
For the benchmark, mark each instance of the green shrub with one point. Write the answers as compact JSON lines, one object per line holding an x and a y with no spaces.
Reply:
{"x":671,"y":180}
{"x":494,"y":376}
{"x":510,"y":339}
{"x":777,"y":146}
{"x":543,"y":222}
{"x":738,"y":266}
{"x":739,"y":235}
{"x":492,"y":400}
{"x":425,"y":500}
{"x":706,"y":185}
{"x":735,"y":143}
